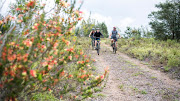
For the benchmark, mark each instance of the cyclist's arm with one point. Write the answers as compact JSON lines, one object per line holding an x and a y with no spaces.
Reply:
{"x":102,"y":35}
{"x":119,"y":35}
{"x":90,"y":34}
{"x":94,"y":35}
{"x":110,"y":35}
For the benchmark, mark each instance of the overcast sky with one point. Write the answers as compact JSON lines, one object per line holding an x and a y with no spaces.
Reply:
{"x":120,"y":13}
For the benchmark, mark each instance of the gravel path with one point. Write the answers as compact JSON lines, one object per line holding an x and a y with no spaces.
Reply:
{"x":130,"y":80}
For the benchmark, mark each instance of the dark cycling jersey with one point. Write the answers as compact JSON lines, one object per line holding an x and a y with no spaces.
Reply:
{"x":92,"y":33}
{"x":114,"y":34}
{"x":98,"y":34}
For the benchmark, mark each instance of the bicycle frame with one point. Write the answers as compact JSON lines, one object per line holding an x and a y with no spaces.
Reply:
{"x":93,"y":42}
{"x":114,"y":46}
{"x":98,"y":45}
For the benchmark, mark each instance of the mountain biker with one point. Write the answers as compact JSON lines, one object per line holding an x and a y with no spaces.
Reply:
{"x":97,"y":36}
{"x":92,"y":33}
{"x":113,"y":36}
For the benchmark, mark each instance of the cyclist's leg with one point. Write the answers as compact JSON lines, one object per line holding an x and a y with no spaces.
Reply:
{"x":112,"y":41}
{"x":116,"y":42}
{"x":95,"y":42}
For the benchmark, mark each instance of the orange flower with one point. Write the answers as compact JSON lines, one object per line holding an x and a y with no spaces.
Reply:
{"x":32,"y":39}
{"x":44,"y":64}
{"x":33,"y":73}
{"x":12,"y":58}
{"x":49,"y":67}
{"x":18,"y":9}
{"x":28,"y":43}
{"x":1,"y":22}
{"x":30,"y":4}
{"x":83,"y":76}
{"x":44,"y":81}
{"x":81,"y":53}
{"x":62,"y":73}
{"x":70,"y":76}
{"x":80,"y":18}
{"x":20,"y":15}
{"x":19,"y":21}
{"x":35,"y":26}
{"x":24,"y":73}
{"x":102,"y":76}
{"x":87,"y":61}
{"x":77,"y":56}
{"x":43,"y":47}
{"x":1,"y":86}
{"x":70,"y":57}
{"x":55,"y":45}
{"x":67,"y":43}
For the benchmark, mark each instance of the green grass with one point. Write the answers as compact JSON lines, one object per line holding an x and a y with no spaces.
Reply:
{"x":143,"y":92}
{"x":153,"y":77}
{"x":137,"y":90}
{"x":46,"y":96}
{"x":166,"y":53}
{"x":121,"y":87}
{"x":101,"y":95}
{"x":137,"y":74}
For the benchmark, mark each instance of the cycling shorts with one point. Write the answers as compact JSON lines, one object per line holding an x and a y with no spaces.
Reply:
{"x":98,"y":39}
{"x":115,"y":38}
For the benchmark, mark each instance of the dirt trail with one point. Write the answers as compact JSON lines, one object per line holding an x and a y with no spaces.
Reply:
{"x":130,"y":80}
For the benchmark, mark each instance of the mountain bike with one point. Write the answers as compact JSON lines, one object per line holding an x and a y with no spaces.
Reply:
{"x":114,"y":46}
{"x":98,"y":45}
{"x":93,"y":42}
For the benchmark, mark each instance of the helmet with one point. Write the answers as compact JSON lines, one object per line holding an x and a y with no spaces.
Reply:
{"x":114,"y":27}
{"x":97,"y":28}
{"x":93,"y":29}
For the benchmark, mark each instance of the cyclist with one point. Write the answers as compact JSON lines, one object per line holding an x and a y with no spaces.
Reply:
{"x":91,"y":35}
{"x":113,"y":36}
{"x":97,"y":36}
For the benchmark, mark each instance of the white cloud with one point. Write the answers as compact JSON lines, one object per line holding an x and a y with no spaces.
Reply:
{"x":126,"y":22}
{"x":98,"y":17}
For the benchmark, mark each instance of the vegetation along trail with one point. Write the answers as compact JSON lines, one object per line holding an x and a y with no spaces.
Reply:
{"x":130,"y":80}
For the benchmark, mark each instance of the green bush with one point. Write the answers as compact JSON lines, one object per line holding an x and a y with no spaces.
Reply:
{"x":165,"y":53}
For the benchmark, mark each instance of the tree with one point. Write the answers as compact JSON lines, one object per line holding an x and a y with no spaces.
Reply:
{"x":133,"y":32}
{"x":103,"y":28}
{"x":165,"y":22}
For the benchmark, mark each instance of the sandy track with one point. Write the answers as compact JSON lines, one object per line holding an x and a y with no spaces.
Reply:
{"x":130,"y":80}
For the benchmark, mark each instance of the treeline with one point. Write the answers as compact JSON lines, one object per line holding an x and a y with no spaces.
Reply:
{"x":86,"y":27}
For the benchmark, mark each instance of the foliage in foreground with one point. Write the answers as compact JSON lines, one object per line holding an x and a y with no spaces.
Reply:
{"x":38,"y":54}
{"x":164,"y":53}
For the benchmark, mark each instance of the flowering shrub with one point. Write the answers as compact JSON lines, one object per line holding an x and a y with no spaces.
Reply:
{"x":38,"y":53}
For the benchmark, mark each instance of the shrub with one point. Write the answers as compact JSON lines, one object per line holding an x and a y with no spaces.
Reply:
{"x":165,"y":53}
{"x":38,"y":53}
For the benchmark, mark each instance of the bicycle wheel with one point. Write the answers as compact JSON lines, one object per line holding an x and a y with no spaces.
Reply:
{"x":113,"y":48}
{"x":98,"y":48}
{"x":92,"y":44}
